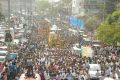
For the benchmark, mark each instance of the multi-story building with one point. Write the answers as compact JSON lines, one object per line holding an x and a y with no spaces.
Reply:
{"x":17,"y":5}
{"x":75,"y":7}
{"x":3,"y":5}
{"x":88,"y":7}
{"x":94,"y":6}
{"x":83,"y":7}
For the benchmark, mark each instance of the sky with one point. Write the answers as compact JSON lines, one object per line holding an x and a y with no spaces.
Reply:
{"x":50,"y":0}
{"x":54,"y":0}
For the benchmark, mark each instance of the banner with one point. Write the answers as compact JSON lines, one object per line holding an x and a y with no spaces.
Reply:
{"x":76,"y":22}
{"x":87,"y":51}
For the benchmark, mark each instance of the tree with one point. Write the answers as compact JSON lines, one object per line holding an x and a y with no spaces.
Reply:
{"x":111,"y":5}
{"x":1,"y":15}
{"x":108,"y":32}
{"x":92,"y":23}
{"x":8,"y":37}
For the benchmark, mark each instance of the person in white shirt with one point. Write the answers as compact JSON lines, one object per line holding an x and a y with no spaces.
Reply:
{"x":108,"y":78}
{"x":47,"y":77}
{"x":23,"y":77}
{"x":30,"y":75}
{"x":62,"y":75}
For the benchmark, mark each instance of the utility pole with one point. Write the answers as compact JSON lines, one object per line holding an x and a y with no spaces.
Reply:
{"x":31,"y":12}
{"x":25,"y":11}
{"x":104,"y":11}
{"x":9,"y":22}
{"x":9,"y":12}
{"x":8,"y":28}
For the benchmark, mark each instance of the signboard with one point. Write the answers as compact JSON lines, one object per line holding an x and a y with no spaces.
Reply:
{"x":87,"y":51}
{"x":76,"y":22}
{"x":12,"y":55}
{"x":2,"y":58}
{"x":44,"y":30}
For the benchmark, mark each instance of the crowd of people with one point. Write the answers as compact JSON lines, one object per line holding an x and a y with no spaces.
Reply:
{"x":60,"y":64}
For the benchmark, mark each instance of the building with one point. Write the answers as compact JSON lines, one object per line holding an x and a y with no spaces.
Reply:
{"x":3,"y":6}
{"x":84,"y":7}
{"x":16,"y":6}
{"x":75,"y":7}
{"x":94,"y":6}
{"x":89,"y":7}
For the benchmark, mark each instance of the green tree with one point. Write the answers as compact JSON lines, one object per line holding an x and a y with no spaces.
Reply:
{"x":109,"y":31}
{"x":92,"y":23}
{"x":111,"y":5}
{"x":1,"y":16}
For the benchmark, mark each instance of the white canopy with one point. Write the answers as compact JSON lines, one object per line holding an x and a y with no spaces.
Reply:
{"x":2,"y":40}
{"x":72,"y":30}
{"x":84,"y":35}
{"x":19,"y":34}
{"x":54,"y":28}
{"x":24,"y":40}
{"x":16,"y":41}
{"x":52,"y":32}
{"x":97,"y":45}
{"x":75,"y":48}
{"x":2,"y":35}
{"x":86,"y":39}
{"x":3,"y":47}
{"x":3,"y":52}
{"x":108,"y":78}
{"x":22,"y":30}
{"x":2,"y":56}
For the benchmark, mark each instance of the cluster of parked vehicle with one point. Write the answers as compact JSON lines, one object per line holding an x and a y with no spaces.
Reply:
{"x":6,"y":55}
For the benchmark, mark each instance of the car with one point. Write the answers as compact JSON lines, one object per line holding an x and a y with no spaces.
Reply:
{"x":3,"y":47}
{"x":28,"y":61}
{"x":3,"y":51}
{"x":12,"y":56}
{"x":2,"y":59}
{"x":93,"y":68}
{"x":2,"y":54}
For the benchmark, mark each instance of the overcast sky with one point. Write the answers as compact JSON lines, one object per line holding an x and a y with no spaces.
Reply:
{"x":54,"y":0}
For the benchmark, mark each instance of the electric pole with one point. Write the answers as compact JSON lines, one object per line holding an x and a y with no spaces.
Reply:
{"x":9,"y":12}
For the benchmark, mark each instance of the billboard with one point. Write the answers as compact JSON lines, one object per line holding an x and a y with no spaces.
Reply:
{"x":87,"y":51}
{"x":76,"y":22}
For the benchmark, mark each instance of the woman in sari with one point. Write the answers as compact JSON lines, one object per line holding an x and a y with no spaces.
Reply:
{"x":30,"y":75}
